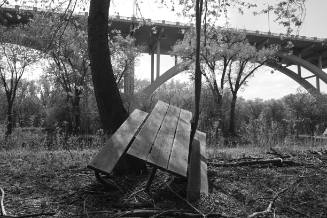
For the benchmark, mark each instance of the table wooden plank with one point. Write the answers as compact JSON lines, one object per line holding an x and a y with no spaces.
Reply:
{"x":197,"y":175}
{"x":141,"y":146}
{"x":161,"y":149}
{"x":178,"y":160}
{"x":109,"y":155}
{"x":186,"y":115}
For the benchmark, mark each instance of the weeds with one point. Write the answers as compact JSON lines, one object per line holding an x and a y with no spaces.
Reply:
{"x":38,"y":139}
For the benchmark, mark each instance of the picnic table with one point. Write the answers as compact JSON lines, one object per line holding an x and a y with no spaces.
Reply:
{"x":161,"y":139}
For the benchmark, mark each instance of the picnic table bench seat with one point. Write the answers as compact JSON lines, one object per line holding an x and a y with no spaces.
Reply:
{"x":161,"y":139}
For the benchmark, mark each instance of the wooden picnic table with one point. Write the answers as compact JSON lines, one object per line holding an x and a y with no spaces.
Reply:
{"x":161,"y":139}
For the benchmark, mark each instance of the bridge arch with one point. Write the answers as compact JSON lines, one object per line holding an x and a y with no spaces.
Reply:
{"x":317,"y":71}
{"x":146,"y":92}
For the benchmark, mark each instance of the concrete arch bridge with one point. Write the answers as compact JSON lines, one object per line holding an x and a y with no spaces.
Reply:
{"x":158,"y":37}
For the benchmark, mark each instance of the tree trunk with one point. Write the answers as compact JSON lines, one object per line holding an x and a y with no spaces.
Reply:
{"x":9,"y":119}
{"x":220,"y":115}
{"x":232,"y":116}
{"x":110,"y":105}
{"x":76,"y":113}
{"x":198,"y":75}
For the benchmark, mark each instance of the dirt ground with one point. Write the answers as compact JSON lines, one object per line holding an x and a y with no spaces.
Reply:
{"x":58,"y":182}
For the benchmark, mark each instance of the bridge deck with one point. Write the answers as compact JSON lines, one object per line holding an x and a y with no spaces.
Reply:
{"x":146,"y":32}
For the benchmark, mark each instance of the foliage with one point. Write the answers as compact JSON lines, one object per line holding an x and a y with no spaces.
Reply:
{"x":39,"y":139}
{"x":123,"y":54}
{"x":288,"y":13}
{"x":13,"y":62}
{"x":227,"y":58}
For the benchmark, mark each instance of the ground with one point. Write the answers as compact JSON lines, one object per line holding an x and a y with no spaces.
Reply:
{"x":59,"y":182}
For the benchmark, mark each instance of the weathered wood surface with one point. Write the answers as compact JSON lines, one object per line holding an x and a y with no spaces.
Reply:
{"x":179,"y":155}
{"x":143,"y":142}
{"x":118,"y":143}
{"x":163,"y":141}
{"x":197,"y":175}
{"x":162,"y":146}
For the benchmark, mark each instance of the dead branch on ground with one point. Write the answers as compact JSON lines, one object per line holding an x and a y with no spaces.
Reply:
{"x":279,"y":162}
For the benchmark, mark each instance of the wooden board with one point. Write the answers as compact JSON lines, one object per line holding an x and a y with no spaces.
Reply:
{"x":141,"y":146}
{"x":197,"y":176}
{"x":179,"y":155}
{"x":161,"y":149}
{"x":109,"y":155}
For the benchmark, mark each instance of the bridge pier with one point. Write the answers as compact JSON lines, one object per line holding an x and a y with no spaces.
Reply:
{"x":320,"y":67}
{"x":129,"y":79}
{"x":158,"y":58}
{"x":299,"y":67}
{"x":152,"y":67}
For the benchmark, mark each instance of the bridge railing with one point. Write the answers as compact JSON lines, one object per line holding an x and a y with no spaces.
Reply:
{"x":177,"y":24}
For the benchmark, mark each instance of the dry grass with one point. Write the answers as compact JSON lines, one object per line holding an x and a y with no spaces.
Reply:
{"x":38,"y":181}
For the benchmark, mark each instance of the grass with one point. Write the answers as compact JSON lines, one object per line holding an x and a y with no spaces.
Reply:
{"x":41,"y":180}
{"x":37,"y":180}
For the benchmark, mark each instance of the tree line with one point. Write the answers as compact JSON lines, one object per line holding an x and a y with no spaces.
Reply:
{"x":74,"y":45}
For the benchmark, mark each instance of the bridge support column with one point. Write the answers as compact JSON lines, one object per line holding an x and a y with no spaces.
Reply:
{"x":152,"y":67}
{"x":299,"y":67}
{"x":158,"y":58}
{"x":129,"y":80}
{"x":317,"y":78}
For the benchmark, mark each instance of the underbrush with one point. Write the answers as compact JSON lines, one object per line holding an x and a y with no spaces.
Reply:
{"x":58,"y":181}
{"x":38,"y":178}
{"x":38,"y":139}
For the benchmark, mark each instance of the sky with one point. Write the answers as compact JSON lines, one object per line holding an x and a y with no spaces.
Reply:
{"x":264,"y":84}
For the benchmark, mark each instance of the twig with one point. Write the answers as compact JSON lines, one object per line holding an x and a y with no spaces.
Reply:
{"x":84,"y":207}
{"x":158,"y":213}
{"x":277,"y":153}
{"x":166,"y":212}
{"x":108,"y":182}
{"x":186,"y":201}
{"x":275,"y":162}
{"x":133,"y":205}
{"x":135,"y":193}
{"x":299,"y":212}
{"x":36,"y":215}
{"x":268,"y":210}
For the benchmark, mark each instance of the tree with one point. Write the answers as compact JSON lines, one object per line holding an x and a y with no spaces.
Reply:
{"x":306,"y":111}
{"x":197,"y":73}
{"x":110,"y":105}
{"x":13,"y":64}
{"x":70,"y":68}
{"x":28,"y":109}
{"x":123,"y":54}
{"x":226,"y":57}
{"x":246,"y":59}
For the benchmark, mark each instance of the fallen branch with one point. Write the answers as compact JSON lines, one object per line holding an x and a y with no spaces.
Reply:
{"x":36,"y":215}
{"x":155,"y":213}
{"x":298,"y":212}
{"x":268,"y":210}
{"x":133,"y":205}
{"x":107,"y":182}
{"x":186,"y":201}
{"x":277,"y":153}
{"x":199,"y":213}
{"x":144,"y":213}
{"x":275,"y":162}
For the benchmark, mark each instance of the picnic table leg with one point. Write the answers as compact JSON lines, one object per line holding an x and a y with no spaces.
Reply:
{"x":148,"y":184}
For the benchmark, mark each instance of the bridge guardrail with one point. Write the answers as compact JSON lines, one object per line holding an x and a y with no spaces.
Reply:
{"x":170,"y":23}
